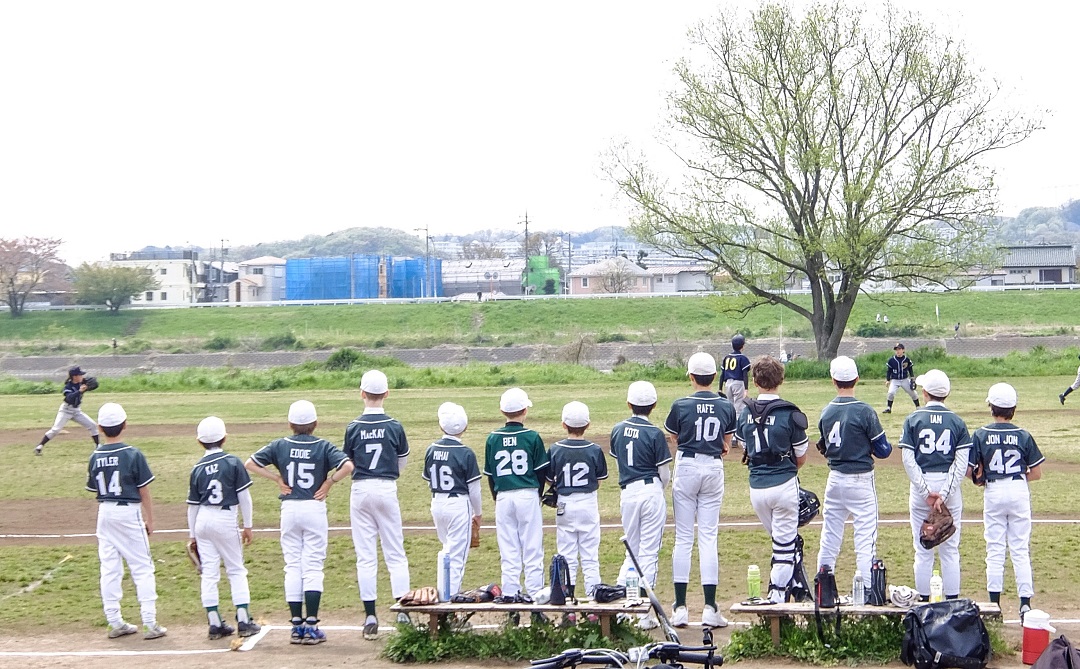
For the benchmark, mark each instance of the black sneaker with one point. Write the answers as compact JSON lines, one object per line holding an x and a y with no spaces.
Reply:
{"x":1061,"y":398}
{"x":887,"y":411}
{"x":250,"y":628}
{"x":219,"y":631}
{"x":371,"y":630}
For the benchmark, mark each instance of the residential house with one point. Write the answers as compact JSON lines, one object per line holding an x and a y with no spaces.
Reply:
{"x":680,"y":278}
{"x":1040,"y":264}
{"x":488,"y":276}
{"x":611,"y":275}
{"x":260,"y":279}
{"x":181,"y":276}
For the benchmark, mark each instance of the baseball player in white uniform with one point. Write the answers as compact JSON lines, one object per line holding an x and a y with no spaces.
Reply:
{"x":217,"y":487}
{"x":378,"y":449}
{"x":1004,"y":458}
{"x":74,"y":388}
{"x":1075,"y":385}
{"x":119,"y":475}
{"x":307,"y":467}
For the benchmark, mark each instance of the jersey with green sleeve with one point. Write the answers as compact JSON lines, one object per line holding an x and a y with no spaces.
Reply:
{"x":374,"y":442}
{"x":450,"y":466}
{"x":700,"y":422}
{"x":640,"y":448}
{"x":216,"y":479}
{"x":1005,"y":451}
{"x":577,"y":465}
{"x":782,"y":436}
{"x":116,"y":472}
{"x":849,"y":426}
{"x":513,"y":457}
{"x":303,"y":460}
{"x":935,"y":434}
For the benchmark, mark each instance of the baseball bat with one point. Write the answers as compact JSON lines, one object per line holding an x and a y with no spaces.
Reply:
{"x":657,"y":607}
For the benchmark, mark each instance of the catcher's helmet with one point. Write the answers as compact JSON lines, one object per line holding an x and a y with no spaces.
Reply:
{"x":903,"y":596}
{"x":808,"y":506}
{"x":738,"y":341}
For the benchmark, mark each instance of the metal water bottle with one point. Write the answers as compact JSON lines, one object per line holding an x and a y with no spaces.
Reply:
{"x":753,"y":581}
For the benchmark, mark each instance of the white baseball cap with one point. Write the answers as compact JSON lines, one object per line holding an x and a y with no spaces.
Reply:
{"x":1002,"y":395}
{"x":111,"y":414}
{"x":575,"y":414}
{"x":211,"y":430}
{"x":302,"y":412}
{"x":701,"y":363}
{"x":935,"y":382}
{"x":641,"y":394}
{"x":452,"y":418}
{"x":843,"y":368}
{"x":374,"y":382}
{"x":514,"y":400}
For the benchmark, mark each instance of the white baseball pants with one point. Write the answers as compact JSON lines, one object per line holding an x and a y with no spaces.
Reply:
{"x":453,"y":524}
{"x":304,"y":529}
{"x":949,"y":550}
{"x":577,"y":532}
{"x":902,"y":384}
{"x":122,"y":538}
{"x":849,"y":496}
{"x":697,"y":491}
{"x":644,"y":512}
{"x":778,"y":510}
{"x":519,"y":527}
{"x":219,"y":541}
{"x":68,"y":412}
{"x":1007,"y":522}
{"x":374,"y":510}
{"x":735,"y":391}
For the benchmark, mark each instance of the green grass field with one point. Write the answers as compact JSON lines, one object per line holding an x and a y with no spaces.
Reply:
{"x":163,"y":425}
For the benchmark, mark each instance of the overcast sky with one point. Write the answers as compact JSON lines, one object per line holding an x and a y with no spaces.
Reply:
{"x":172,"y":123}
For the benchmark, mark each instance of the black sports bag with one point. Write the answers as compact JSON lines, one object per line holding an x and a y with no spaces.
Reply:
{"x":945,"y":634}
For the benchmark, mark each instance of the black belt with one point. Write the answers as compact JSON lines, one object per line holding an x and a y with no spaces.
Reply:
{"x":692,"y":454}
{"x":1014,"y":477}
{"x":448,"y":494}
{"x":646,"y":480}
{"x":101,"y":501}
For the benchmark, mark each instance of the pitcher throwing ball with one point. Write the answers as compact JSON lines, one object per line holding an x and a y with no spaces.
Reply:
{"x":70,"y":409}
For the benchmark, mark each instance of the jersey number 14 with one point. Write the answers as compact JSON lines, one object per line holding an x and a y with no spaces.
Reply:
{"x":113,"y":486}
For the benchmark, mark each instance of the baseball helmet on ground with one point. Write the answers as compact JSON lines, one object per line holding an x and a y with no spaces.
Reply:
{"x":808,"y":506}
{"x":738,"y":341}
{"x":902,"y":596}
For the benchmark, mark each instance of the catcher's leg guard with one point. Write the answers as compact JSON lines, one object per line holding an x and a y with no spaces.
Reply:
{"x":783,"y":564}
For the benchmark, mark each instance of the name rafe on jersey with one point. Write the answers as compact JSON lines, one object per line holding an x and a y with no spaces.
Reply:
{"x":1007,"y":439}
{"x":377,"y":433}
{"x":110,"y":461}
{"x":302,"y":453}
{"x":706,"y":408}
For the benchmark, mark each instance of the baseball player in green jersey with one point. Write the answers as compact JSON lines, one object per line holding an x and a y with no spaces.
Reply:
{"x":772,"y":433}
{"x":217,"y":487}
{"x":852,"y":437}
{"x":514,"y":462}
{"x":378,"y":449}
{"x":1004,"y":458}
{"x":453,"y":474}
{"x":700,"y":428}
{"x":641,"y":450}
{"x":934,"y":444}
{"x":307,"y":467}
{"x":119,"y":475}
{"x":1074,"y":386}
{"x":576,"y":469}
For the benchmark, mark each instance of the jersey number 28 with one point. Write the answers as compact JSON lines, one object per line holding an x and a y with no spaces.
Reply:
{"x":511,"y":462}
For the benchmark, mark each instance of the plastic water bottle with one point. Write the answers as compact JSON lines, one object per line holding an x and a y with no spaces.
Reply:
{"x":858,"y":590}
{"x":633,"y":585}
{"x":443,"y":575}
{"x":936,"y":587}
{"x":753,"y":581}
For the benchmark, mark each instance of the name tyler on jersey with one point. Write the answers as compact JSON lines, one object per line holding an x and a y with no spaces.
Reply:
{"x":110,"y":461}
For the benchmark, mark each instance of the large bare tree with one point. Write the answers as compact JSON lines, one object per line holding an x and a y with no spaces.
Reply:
{"x":24,"y":264}
{"x":827,"y":146}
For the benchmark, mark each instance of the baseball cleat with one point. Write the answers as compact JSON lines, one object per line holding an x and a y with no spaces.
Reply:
{"x":403,"y":618}
{"x":250,"y":628}
{"x":297,"y":635}
{"x":371,"y":629}
{"x":647,"y":621}
{"x":680,"y":617}
{"x":1061,"y":398}
{"x":219,"y":631}
{"x":710,"y":617}
{"x":314,"y":635}
{"x":123,"y":629}
{"x":1024,"y":608}
{"x":39,"y":447}
{"x":887,"y":411}
{"x":154,"y":631}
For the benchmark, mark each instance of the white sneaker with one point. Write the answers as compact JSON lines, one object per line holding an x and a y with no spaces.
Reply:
{"x":123,"y":629}
{"x":647,"y":621}
{"x":681,"y":617}
{"x":154,"y":631}
{"x":710,"y":617}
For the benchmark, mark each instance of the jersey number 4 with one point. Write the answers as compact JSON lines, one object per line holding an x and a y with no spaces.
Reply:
{"x":511,"y":462}
{"x":112,"y":488}
{"x":1006,"y":462}
{"x":930,"y":442}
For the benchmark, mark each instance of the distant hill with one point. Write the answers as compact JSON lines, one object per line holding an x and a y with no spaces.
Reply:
{"x":366,"y":241}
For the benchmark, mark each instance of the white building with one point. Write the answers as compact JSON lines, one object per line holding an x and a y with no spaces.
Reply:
{"x":260,"y":279}
{"x":181,"y":276}
{"x":679,"y":279}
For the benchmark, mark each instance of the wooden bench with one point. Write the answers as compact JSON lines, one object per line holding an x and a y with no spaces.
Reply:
{"x":604,"y":612}
{"x":774,"y":612}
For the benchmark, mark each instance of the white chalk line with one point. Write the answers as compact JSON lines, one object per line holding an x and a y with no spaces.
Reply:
{"x":36,"y":584}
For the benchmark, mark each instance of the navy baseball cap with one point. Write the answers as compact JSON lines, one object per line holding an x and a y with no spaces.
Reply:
{"x":75,"y":371}
{"x":898,"y":345}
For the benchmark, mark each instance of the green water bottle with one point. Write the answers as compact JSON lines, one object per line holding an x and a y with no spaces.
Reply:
{"x":753,"y":581}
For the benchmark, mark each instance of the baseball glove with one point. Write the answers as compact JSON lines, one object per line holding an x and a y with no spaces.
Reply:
{"x":937,"y":527}
{"x":90,"y":382}
{"x":192,"y":550}
{"x":488,"y":593}
{"x":821,"y":445}
{"x":420,"y":597}
{"x":604,"y":593}
{"x":474,"y":536}
{"x":913,"y":383}
{"x":551,"y":497}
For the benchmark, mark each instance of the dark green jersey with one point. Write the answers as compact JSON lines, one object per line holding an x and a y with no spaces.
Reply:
{"x":640,"y":448}
{"x":513,"y":456}
{"x":782,"y":436}
{"x":936,"y":435}
{"x":577,"y":465}
{"x":450,"y":466}
{"x":303,"y":460}
{"x":374,"y":442}
{"x":116,"y":473}
{"x":1005,"y":451}
{"x":216,"y":479}
{"x":700,"y":422}
{"x":849,"y":426}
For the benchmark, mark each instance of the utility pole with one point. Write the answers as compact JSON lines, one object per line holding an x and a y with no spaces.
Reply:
{"x":528,"y":269}
{"x":221,"y":276}
{"x":427,"y":260}
{"x":569,"y":262}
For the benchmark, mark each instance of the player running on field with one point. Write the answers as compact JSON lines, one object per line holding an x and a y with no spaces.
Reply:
{"x":576,"y":469}
{"x":643,"y":456}
{"x":1004,"y":458}
{"x":120,"y":476}
{"x":307,"y":466}
{"x":515,"y":461}
{"x":899,"y":373}
{"x":70,"y":410}
{"x":852,"y":437}
{"x":935,"y":444}
{"x":1075,"y":385}
{"x":735,"y":378}
{"x":700,"y":427}
{"x":378,"y":449}
{"x":217,"y":487}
